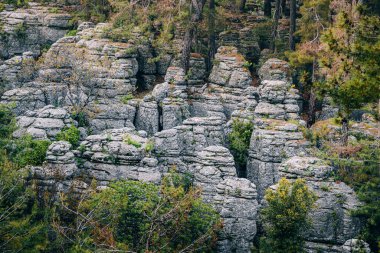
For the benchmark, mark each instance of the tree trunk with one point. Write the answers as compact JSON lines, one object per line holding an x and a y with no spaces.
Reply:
{"x":344,"y":131}
{"x":292,"y":28}
{"x":283,"y":8}
{"x":242,"y":5}
{"x":267,"y":8}
{"x":197,"y":6}
{"x":275,"y":24}
{"x":311,"y":109}
{"x":211,"y":35}
{"x":312,"y":97}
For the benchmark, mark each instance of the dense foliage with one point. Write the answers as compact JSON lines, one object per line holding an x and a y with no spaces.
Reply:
{"x":129,"y":215}
{"x":239,"y":139}
{"x":22,"y":151}
{"x":70,"y":134}
{"x":351,"y":59}
{"x":21,"y":219}
{"x":285,"y":216}
{"x":143,"y":217}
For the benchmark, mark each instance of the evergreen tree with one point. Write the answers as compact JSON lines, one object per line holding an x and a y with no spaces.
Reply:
{"x":285,"y":216}
{"x":351,"y":60}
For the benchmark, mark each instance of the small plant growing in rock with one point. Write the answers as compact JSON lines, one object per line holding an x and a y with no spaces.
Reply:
{"x":54,"y":10}
{"x":125,"y":99}
{"x":20,"y":30}
{"x":82,"y":148}
{"x":128,"y":139}
{"x":81,"y":117}
{"x":149,"y":146}
{"x":70,"y":134}
{"x":325,"y":188}
{"x":247,"y":64}
{"x":71,"y":33}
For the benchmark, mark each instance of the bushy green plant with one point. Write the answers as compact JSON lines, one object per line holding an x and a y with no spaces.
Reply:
{"x":70,"y":134}
{"x":92,"y":10}
{"x":17,"y":3}
{"x":71,"y":33}
{"x":285,"y":216}
{"x":125,"y":99}
{"x":149,"y":146}
{"x":27,"y":151}
{"x":239,"y":139}
{"x":20,"y":30}
{"x":81,"y":118}
{"x":144,"y":217}
{"x":7,"y":122}
{"x":22,"y":223}
{"x":128,"y":139}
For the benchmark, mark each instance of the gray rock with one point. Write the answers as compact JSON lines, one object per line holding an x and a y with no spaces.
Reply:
{"x":44,"y":123}
{"x":147,"y":117}
{"x":31,"y":29}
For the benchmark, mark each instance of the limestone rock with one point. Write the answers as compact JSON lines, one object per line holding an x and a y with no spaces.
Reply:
{"x":31,"y":29}
{"x":275,"y":69}
{"x":272,"y":141}
{"x":45,"y":123}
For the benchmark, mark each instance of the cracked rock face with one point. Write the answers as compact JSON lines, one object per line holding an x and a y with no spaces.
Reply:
{"x":193,"y":147}
{"x":17,"y":70}
{"x":332,"y":223}
{"x":31,"y":29}
{"x":272,"y":141}
{"x":229,"y":92}
{"x":42,"y":124}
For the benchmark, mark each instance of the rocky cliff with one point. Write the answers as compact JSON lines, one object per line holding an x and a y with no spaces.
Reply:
{"x":178,"y":121}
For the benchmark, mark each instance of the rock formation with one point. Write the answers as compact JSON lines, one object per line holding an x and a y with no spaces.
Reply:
{"x":181,"y":123}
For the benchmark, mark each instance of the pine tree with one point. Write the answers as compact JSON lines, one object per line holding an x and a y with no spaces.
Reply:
{"x":351,"y":60}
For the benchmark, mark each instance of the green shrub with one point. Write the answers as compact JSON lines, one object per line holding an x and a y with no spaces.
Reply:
{"x":7,"y":122}
{"x":144,"y":217}
{"x":20,"y":30}
{"x":239,"y":139}
{"x":92,"y":10}
{"x":81,"y":118}
{"x":22,"y":220}
{"x":128,"y":139}
{"x":285,"y":216}
{"x":149,"y":146}
{"x":26,"y":151}
{"x":71,"y":33}
{"x":70,"y":134}
{"x":125,"y":99}
{"x":17,"y":3}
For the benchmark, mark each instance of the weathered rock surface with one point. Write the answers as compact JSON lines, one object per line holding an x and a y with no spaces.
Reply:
{"x":193,"y":147}
{"x":229,"y":92}
{"x":31,"y":29}
{"x":332,"y":223}
{"x":278,"y":99}
{"x":272,"y":141}
{"x":17,"y":70}
{"x":45,"y":123}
